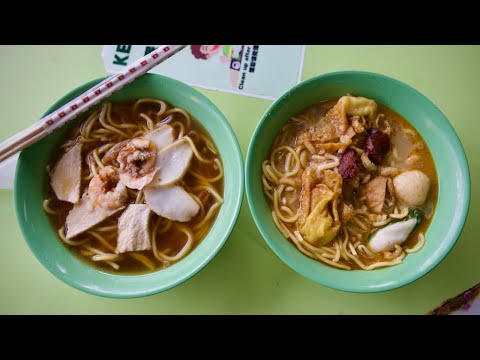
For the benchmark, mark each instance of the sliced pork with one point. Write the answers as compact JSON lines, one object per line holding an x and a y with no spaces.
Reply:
{"x":85,"y":215}
{"x":133,"y":229}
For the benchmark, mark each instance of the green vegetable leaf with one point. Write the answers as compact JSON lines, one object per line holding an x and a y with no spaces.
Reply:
{"x":416,"y":213}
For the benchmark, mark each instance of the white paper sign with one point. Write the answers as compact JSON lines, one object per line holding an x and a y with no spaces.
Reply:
{"x":263,"y":71}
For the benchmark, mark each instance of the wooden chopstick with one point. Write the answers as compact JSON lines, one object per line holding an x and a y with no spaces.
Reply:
{"x":85,"y":101}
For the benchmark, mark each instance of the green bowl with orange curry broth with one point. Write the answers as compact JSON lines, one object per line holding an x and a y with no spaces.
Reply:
{"x":31,"y":182}
{"x":452,"y":183}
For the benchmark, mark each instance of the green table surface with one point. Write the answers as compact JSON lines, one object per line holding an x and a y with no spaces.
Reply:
{"x":245,"y":277}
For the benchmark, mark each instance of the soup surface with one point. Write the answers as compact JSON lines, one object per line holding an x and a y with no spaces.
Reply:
{"x":351,"y":184}
{"x":135,"y":187}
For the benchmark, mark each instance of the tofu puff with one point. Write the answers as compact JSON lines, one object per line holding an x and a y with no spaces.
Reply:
{"x":135,"y":187}
{"x":351,"y":184}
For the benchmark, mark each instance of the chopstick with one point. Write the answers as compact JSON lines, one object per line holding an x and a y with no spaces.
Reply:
{"x":85,"y":101}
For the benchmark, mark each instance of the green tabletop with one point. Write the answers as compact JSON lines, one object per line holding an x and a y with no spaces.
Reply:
{"x":245,"y":276}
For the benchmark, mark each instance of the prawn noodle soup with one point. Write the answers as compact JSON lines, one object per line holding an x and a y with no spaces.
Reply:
{"x":135,"y":187}
{"x":351,"y":184}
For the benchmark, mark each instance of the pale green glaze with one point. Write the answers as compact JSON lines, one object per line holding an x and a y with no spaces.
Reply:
{"x":447,"y":151}
{"x":31,"y":179}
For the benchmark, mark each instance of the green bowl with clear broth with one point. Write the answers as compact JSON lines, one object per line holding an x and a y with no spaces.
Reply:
{"x":31,"y":182}
{"x":444,"y":145}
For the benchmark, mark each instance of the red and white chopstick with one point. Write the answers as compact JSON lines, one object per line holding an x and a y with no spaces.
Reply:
{"x":85,"y":101}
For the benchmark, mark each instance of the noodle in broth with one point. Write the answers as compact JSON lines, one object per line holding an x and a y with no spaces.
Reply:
{"x":104,"y":131}
{"x":333,"y":184}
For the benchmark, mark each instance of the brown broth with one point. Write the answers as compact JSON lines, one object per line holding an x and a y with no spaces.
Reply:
{"x":172,"y":240}
{"x":427,"y":166}
{"x":289,"y":134}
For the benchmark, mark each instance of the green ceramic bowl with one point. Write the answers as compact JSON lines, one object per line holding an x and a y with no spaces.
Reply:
{"x":447,"y":151}
{"x":31,"y":180}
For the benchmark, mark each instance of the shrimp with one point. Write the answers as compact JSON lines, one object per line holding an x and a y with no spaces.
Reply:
{"x":112,"y":154}
{"x":137,"y":159}
{"x":106,"y":191}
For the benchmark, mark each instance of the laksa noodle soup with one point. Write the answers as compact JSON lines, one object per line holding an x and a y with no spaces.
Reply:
{"x":135,"y":187}
{"x":351,"y":184}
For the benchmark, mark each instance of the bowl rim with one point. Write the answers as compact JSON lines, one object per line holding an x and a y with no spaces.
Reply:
{"x":250,"y":178}
{"x":151,"y":290}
